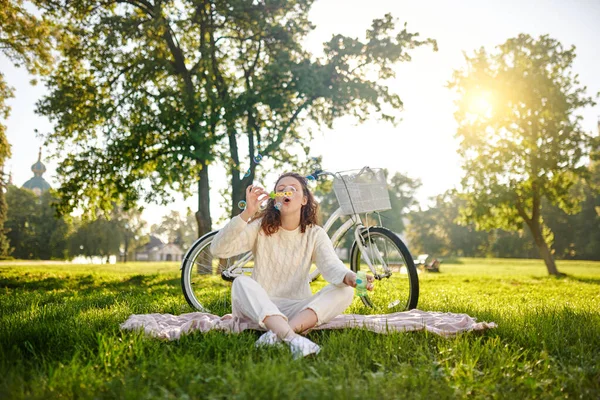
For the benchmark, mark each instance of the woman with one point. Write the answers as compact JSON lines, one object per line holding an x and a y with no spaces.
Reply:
{"x":285,"y":239}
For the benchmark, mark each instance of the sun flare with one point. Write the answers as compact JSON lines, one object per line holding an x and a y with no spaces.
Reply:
{"x":479,"y":106}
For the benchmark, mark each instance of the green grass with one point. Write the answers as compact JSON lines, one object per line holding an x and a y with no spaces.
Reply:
{"x":60,"y":338}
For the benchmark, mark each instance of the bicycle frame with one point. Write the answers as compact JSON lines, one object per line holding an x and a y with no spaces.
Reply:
{"x":346,"y":226}
{"x":366,"y":247}
{"x":238,"y":267}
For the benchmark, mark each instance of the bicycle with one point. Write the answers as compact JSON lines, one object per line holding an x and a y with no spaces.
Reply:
{"x":375,"y":249}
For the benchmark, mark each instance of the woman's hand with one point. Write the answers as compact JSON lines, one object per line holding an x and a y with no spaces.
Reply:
{"x":350,"y":280}
{"x":253,"y":193}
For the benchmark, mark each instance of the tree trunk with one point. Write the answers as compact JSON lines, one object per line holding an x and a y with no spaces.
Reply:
{"x":536,"y":232}
{"x":238,"y":186}
{"x":238,"y":192}
{"x":203,"y":213}
{"x":126,"y":247}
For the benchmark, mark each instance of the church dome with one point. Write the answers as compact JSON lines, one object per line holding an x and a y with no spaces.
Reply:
{"x":37,"y":184}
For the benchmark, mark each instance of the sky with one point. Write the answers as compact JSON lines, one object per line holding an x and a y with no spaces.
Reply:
{"x":422,"y":145}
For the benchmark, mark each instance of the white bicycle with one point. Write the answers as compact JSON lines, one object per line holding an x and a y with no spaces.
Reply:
{"x":376,"y":250}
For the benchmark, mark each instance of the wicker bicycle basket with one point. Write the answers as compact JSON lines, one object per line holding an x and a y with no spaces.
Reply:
{"x":361,"y":192}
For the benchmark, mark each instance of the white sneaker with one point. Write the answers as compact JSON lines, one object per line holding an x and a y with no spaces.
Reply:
{"x":302,"y":347}
{"x":267,"y":339}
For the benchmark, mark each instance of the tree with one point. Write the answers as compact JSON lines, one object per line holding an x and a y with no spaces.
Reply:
{"x":177,"y":229}
{"x":131,"y":227}
{"x":402,"y":190}
{"x":24,"y":40}
{"x":100,"y":237}
{"x":53,"y":230}
{"x":151,"y":93}
{"x":426,"y":234}
{"x":22,"y":208}
{"x":283,"y":87}
{"x":34,"y":229}
{"x":521,"y":140}
{"x":437,"y":231}
{"x":577,"y":236}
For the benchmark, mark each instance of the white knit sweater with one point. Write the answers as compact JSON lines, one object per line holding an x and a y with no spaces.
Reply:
{"x":281,"y":261}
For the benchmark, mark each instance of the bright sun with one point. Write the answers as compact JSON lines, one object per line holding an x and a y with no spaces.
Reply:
{"x":479,"y":106}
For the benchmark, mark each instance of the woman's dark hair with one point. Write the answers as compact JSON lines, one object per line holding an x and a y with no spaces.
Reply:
{"x":271,"y":219}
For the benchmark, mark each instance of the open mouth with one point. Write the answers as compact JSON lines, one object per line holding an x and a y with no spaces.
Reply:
{"x":286,"y":200}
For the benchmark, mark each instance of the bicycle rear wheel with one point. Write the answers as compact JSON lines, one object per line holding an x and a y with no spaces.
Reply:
{"x":396,"y":279}
{"x":205,"y":279}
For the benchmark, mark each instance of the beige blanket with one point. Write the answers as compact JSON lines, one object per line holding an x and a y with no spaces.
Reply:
{"x":171,"y":327}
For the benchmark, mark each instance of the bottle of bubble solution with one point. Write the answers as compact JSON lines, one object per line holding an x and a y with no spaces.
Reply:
{"x":361,"y":283}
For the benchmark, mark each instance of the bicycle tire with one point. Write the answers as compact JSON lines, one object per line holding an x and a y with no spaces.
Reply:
{"x":401,"y":287}
{"x":202,"y":280}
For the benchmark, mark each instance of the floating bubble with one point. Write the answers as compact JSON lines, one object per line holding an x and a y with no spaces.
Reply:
{"x":258,"y":158}
{"x":278,"y":206}
{"x":311,"y":178}
{"x":247,"y":173}
{"x":242,"y":205}
{"x":264,"y":202}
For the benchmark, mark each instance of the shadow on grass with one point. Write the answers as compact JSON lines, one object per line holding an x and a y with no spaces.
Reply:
{"x":84,"y":284}
{"x":589,"y":281}
{"x":450,"y":260}
{"x":51,"y":283}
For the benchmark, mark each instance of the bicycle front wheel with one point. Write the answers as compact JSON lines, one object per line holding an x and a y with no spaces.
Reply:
{"x":396,"y":279}
{"x":205,"y":279}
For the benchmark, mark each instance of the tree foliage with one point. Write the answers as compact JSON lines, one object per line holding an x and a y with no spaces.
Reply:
{"x":177,"y":228}
{"x":439,"y":230}
{"x":521,"y":139}
{"x":34,"y":229}
{"x":100,"y":237}
{"x":149,"y":93}
{"x":25,"y":40}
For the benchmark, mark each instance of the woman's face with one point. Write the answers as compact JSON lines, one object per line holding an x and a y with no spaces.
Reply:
{"x":290,"y":204}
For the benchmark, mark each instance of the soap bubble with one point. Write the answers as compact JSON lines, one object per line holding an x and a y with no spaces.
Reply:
{"x":242,"y":205}
{"x":247,"y":173}
{"x":278,"y":206}
{"x":311,"y":178}
{"x":264,"y":202}
{"x":258,"y":158}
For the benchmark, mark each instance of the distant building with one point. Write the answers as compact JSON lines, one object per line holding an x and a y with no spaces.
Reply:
{"x":37,"y":184}
{"x":156,"y":250}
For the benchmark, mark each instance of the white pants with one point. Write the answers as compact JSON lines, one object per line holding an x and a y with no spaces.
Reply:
{"x":250,"y":300}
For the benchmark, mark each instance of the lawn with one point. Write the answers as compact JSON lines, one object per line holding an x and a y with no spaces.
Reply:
{"x":60,"y":338}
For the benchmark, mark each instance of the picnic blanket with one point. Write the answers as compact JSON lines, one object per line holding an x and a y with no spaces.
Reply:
{"x":168,"y":326}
